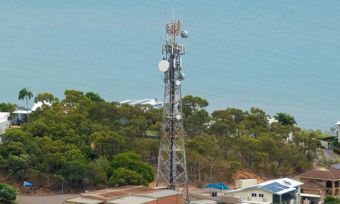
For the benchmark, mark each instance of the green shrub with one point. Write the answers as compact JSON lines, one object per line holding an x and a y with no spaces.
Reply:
{"x":332,"y":200}
{"x":132,"y":161}
{"x":123,"y":176}
{"x":7,"y":193}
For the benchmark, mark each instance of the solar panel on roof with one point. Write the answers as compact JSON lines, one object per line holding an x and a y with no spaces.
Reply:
{"x":274,"y":187}
{"x":277,"y":190}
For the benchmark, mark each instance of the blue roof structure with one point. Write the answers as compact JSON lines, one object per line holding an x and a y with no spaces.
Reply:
{"x":27,"y":184}
{"x":220,"y":186}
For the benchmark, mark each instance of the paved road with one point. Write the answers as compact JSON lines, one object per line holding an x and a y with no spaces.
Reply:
{"x":48,"y":199}
{"x":328,"y":154}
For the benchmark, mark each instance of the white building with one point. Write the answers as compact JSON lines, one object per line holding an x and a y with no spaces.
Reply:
{"x":278,"y":191}
{"x":337,"y":124}
{"x":4,"y":122}
{"x":272,"y":120}
{"x":152,"y":102}
{"x":40,"y":104}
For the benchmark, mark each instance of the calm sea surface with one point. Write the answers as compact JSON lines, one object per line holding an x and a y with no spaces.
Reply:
{"x":281,"y":56}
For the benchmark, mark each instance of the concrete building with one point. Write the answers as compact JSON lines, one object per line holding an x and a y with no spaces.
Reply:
{"x":212,"y":195}
{"x":4,"y":122}
{"x":278,"y":191}
{"x":244,"y":183}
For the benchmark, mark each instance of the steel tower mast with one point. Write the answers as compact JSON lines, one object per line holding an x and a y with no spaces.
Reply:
{"x":172,"y":171}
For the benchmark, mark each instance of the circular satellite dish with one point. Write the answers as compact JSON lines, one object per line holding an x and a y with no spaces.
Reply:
{"x":184,"y":34}
{"x":163,"y":65}
{"x":338,"y":124}
{"x":181,"y":76}
{"x":178,"y":117}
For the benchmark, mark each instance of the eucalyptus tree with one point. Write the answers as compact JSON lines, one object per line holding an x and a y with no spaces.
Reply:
{"x":46,"y":98}
{"x":25,"y":94}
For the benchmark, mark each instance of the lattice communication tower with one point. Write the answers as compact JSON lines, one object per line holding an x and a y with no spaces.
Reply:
{"x":172,"y":171}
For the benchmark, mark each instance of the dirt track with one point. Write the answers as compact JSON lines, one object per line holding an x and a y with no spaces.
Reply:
{"x":48,"y":199}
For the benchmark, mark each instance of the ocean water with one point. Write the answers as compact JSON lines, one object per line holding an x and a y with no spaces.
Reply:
{"x":281,"y":56}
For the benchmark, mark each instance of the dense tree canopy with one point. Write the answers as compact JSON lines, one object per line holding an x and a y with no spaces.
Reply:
{"x":195,"y":115}
{"x":45,"y":97}
{"x":7,"y":107}
{"x":87,"y":141}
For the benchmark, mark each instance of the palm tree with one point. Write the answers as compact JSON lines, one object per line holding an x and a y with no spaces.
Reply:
{"x":285,"y":119}
{"x":25,"y":94}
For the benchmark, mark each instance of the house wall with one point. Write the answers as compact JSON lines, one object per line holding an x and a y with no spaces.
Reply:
{"x":244,"y":183}
{"x":151,"y":202}
{"x":4,"y":126}
{"x":4,"y":117}
{"x":321,"y":191}
{"x":174,"y":199}
{"x":324,"y":144}
{"x":247,"y":195}
{"x":311,"y":191}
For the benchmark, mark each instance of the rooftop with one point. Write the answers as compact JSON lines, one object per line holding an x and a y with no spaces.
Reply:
{"x":22,"y":111}
{"x":322,"y":173}
{"x":153,"y":102}
{"x":160,"y":193}
{"x":277,"y":186}
{"x":112,"y":193}
{"x":312,"y":185}
{"x":131,"y":199}
{"x":124,"y":195}
{"x":84,"y":200}
{"x":4,"y":114}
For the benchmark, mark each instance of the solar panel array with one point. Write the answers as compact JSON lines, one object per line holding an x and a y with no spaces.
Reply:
{"x":274,"y":187}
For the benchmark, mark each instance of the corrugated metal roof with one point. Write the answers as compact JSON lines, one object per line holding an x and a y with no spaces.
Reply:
{"x":85,"y":200}
{"x":160,"y":193}
{"x":111,"y":193}
{"x":131,"y":200}
{"x":284,"y":181}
